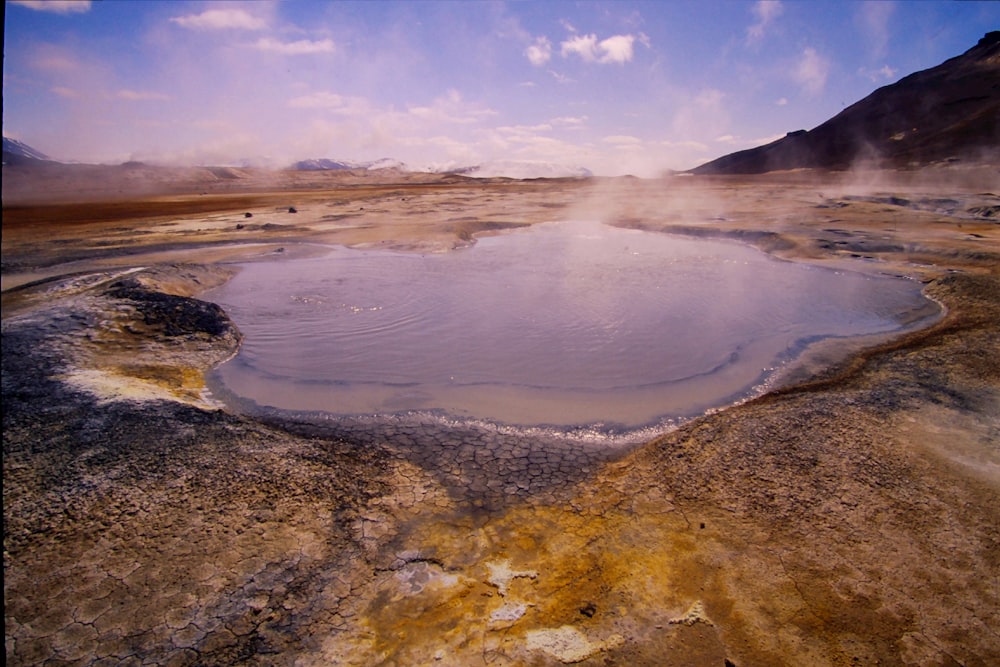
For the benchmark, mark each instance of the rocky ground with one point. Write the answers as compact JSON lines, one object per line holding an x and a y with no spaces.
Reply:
{"x":848,"y":518}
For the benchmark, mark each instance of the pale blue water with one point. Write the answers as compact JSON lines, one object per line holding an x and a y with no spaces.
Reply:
{"x":564,"y":323}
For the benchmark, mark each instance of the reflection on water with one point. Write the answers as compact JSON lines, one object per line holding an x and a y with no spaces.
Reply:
{"x":563,"y":323}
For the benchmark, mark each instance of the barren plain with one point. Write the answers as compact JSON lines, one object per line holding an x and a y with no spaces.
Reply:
{"x":849,"y":517}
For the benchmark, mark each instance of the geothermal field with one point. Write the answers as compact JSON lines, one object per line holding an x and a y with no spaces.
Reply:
{"x":694,"y":420}
{"x":361,"y":414}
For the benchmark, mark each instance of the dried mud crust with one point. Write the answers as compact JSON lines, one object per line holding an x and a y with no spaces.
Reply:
{"x":142,"y":529}
{"x":859,"y":511}
{"x":846,"y":520}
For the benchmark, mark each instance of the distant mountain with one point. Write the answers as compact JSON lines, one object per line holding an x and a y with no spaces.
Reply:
{"x":495,"y":169}
{"x":14,"y":151}
{"x":324,"y":164}
{"x":521,"y":170}
{"x":387,"y":163}
{"x":951,"y":111}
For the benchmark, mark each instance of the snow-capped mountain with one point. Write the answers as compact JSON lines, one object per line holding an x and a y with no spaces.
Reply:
{"x":17,"y":149}
{"x":492,"y":169}
{"x":325,"y":164}
{"x":387,"y":163}
{"x":322,"y":164}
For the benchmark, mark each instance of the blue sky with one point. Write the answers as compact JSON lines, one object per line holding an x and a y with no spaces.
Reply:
{"x":617,"y":87}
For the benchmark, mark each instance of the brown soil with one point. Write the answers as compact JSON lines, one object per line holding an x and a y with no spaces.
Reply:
{"x":849,"y":517}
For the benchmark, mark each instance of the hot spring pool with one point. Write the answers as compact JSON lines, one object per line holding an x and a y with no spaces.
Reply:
{"x":570,"y":323}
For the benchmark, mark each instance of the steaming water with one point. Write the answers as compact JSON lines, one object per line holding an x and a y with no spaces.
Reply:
{"x":567,"y":323}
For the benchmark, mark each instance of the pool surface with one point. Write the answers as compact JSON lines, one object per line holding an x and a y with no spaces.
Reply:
{"x":567,"y":323}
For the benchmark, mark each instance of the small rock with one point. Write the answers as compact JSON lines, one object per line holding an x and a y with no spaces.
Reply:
{"x":694,"y":614}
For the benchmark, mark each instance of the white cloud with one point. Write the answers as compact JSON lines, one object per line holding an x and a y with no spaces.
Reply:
{"x":766,"y":12}
{"x":574,"y":122}
{"x":811,"y":72}
{"x":693,"y":145}
{"x":732,"y":140}
{"x":56,"y":6}
{"x":450,"y":109}
{"x":548,"y":148}
{"x":140,"y":96}
{"x":614,"y":49}
{"x":883,"y":73}
{"x":298,"y":48}
{"x":617,"y":49}
{"x":521,"y":129}
{"x":782,"y":102}
{"x":584,"y":46}
{"x":559,"y":77}
{"x":439,"y":114}
{"x":763,"y":141}
{"x":622,"y":140}
{"x":540,"y":52}
{"x":703,"y":116}
{"x":220,"y":19}
{"x":346,"y":107}
{"x":318,"y":100}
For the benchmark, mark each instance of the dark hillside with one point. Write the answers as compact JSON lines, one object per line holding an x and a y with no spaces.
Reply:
{"x":951,"y":111}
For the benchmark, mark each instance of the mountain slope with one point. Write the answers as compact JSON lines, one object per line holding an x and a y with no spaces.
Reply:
{"x":15,"y":151}
{"x":948,"y":111}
